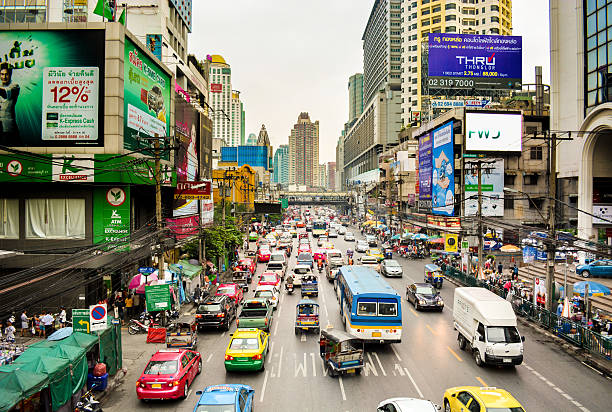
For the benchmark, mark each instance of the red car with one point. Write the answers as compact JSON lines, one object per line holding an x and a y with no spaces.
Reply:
{"x":304,"y":248}
{"x":300,"y":224}
{"x":269,"y":278}
{"x":263,"y":254}
{"x":169,"y":374}
{"x":232,"y":290}
{"x":247,"y":264}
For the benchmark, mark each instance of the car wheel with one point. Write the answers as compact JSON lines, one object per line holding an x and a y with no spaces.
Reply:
{"x":199,"y":366}
{"x":446,"y":406}
{"x":185,"y":390}
{"x":226,"y":325}
{"x":133,"y":329}
{"x":477,"y":359}
{"x":462,"y":342}
{"x":585,"y":274}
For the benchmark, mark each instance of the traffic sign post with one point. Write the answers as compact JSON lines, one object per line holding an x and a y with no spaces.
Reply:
{"x":80,"y":320}
{"x":97,"y":317}
{"x":147,"y":270}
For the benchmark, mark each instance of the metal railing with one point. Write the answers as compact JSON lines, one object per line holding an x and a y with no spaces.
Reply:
{"x":573,"y":332}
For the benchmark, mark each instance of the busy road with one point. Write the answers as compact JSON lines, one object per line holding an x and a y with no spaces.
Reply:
{"x":426,"y":362}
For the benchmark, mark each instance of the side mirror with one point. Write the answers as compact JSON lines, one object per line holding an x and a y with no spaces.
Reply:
{"x":198,"y":392}
{"x":522,"y":339}
{"x":481,"y":338}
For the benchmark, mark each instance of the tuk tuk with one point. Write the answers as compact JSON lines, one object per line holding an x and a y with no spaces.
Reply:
{"x":388,"y":253}
{"x":241,"y":278}
{"x":341,"y":352}
{"x":182,"y":333}
{"x":433,"y":275}
{"x":309,"y":285}
{"x":307,"y":316}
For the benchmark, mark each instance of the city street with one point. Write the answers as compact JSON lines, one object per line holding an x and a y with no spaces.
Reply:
{"x":423,"y":365}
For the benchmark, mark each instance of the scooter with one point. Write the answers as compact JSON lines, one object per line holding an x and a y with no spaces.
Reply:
{"x":88,"y":403}
{"x":141,"y":325}
{"x":289,"y":288}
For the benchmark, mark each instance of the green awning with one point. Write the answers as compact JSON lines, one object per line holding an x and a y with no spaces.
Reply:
{"x":21,"y":382}
{"x":188,"y":270}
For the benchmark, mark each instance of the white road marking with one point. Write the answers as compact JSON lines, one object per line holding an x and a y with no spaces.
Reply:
{"x":380,"y":364}
{"x":263,"y":388}
{"x":396,"y":354}
{"x":300,"y":366}
{"x":399,"y":369}
{"x":280,"y":308}
{"x":303,"y":338}
{"x":314,"y":366}
{"x":280,"y":361}
{"x":342,"y":388}
{"x":556,"y":388}
{"x":276,"y":328}
{"x":209,"y":358}
{"x":414,"y":383}
{"x":369,"y":366}
{"x":223,"y":334}
{"x":270,"y":350}
{"x":188,"y":393}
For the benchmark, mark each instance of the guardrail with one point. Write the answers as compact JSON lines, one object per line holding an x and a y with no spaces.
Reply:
{"x":574,"y":333}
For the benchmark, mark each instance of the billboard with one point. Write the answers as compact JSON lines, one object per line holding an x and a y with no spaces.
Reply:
{"x":473,"y":61}
{"x":146,"y":99}
{"x":443,"y":174}
{"x":425,"y":167}
{"x":186,"y":158}
{"x":111,"y":210}
{"x":492,"y":187}
{"x":51,"y":92}
{"x":493,"y":132}
{"x":216,"y":88}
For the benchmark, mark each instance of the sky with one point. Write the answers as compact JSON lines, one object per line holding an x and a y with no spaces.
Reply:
{"x":292,"y":56}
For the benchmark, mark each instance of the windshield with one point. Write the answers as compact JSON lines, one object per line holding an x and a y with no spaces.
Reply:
{"x":348,"y":234}
{"x":301,"y":271}
{"x":277,"y":258}
{"x":244,"y":344}
{"x":304,"y":256}
{"x":264,"y":294}
{"x":503,"y":334}
{"x":424,"y":290}
{"x":391,"y":263}
{"x":209,"y":308}
{"x":268,"y":278}
{"x":216,"y":408}
{"x":228,"y":290}
{"x":253,"y":313}
{"x":334,"y":255}
{"x":164,"y":367}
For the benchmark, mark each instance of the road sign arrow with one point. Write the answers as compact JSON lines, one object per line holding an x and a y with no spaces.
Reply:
{"x":399,"y":369}
{"x":84,"y":322}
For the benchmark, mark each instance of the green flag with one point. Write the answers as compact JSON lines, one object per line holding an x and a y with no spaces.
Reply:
{"x":103,"y":9}
{"x":122,"y":17}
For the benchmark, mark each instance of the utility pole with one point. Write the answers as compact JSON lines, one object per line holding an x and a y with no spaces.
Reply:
{"x":158,"y":207}
{"x":480,"y":236}
{"x":552,"y":187}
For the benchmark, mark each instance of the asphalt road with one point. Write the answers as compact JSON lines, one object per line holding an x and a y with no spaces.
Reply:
{"x":426,"y":363}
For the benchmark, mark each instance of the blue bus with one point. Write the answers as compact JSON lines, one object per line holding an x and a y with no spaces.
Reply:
{"x":370,"y":308}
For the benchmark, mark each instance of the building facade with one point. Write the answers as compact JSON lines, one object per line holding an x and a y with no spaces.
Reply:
{"x":221,"y":97}
{"x":281,"y":165}
{"x":252,"y":140}
{"x":331,"y":176}
{"x":581,"y":109}
{"x":304,"y":152}
{"x":355,"y":89}
{"x":340,"y":183}
{"x":237,"y":115}
{"x":449,"y":16}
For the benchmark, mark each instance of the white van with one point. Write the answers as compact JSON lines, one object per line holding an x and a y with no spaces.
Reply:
{"x":487,"y":324}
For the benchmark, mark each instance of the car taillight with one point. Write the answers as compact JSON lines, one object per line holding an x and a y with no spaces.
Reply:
{"x":175,"y":383}
{"x":257,"y":357}
{"x":198,"y":316}
{"x":237,"y":322}
{"x":228,"y":357}
{"x":266,"y":322}
{"x":220,"y":315}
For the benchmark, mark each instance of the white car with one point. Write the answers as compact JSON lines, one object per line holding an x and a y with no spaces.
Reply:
{"x":332,"y":233}
{"x":361,"y":246}
{"x":298,"y":272}
{"x":407,"y":404}
{"x":268,"y":292}
{"x":349,"y":237}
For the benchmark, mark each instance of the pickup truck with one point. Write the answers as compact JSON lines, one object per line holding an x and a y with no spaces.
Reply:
{"x":277,"y":267}
{"x":256,"y":313}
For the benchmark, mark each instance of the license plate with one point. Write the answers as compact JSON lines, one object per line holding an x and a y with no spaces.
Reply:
{"x":350,"y":370}
{"x":242,"y":359}
{"x":376,"y":334}
{"x":507,"y":360}
{"x":305,"y":328}
{"x":156,"y":385}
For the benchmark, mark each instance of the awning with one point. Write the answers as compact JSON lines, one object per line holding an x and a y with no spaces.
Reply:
{"x":189,"y":271}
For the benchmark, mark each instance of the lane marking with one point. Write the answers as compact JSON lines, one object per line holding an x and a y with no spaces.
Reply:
{"x":303,"y":338}
{"x":454,"y":354}
{"x":280,"y":308}
{"x":556,"y":388}
{"x":414,"y":383}
{"x":223,"y":334}
{"x":280,"y":362}
{"x":342,"y":388}
{"x":479,"y":379}
{"x":396,"y":354}
{"x":263,"y":388}
{"x":188,"y":394}
{"x":431,"y":330}
{"x":268,"y":358}
{"x":314,"y":366}
{"x":379,"y":364}
{"x":209,"y":358}
{"x":276,"y":327}
{"x":414,"y":312}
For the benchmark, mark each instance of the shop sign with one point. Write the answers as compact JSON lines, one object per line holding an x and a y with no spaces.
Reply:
{"x":157,"y":297}
{"x":111,"y":214}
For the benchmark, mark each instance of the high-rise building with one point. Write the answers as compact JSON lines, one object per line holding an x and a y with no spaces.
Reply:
{"x":340,"y":162}
{"x":331,"y":176}
{"x":281,"y":165}
{"x":252,"y":140}
{"x":236,"y":116}
{"x":221,"y":99}
{"x":382,"y":49}
{"x":355,"y":89}
{"x":322,"y":176}
{"x":242,"y":123}
{"x":304,"y":152}
{"x":447,"y":16}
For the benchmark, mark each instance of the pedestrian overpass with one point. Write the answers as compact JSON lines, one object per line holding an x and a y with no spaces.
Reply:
{"x":316,"y":198}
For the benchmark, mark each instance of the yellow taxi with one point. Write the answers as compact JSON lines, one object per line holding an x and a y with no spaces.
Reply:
{"x":247,"y":350}
{"x":474,"y":398}
{"x":327,"y":245}
{"x":377,"y":253}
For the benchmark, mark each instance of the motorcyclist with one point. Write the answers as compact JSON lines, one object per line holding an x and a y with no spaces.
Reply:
{"x":349,"y":255}
{"x":320,"y":264}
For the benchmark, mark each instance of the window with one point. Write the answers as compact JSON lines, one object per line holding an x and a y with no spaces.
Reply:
{"x":387,"y":309}
{"x":9,"y":218}
{"x":530,"y":179}
{"x":55,"y":218}
{"x":508,"y":202}
{"x":450,"y":17}
{"x":451,"y":29}
{"x":509,"y":180}
{"x":494,"y":19}
{"x":450,"y":6}
{"x":366,"y":308}
{"x":598,"y":45}
{"x":535,"y":153}
{"x":536,"y":203}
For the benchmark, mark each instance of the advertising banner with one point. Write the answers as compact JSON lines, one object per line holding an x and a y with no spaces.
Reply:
{"x":492,"y":187}
{"x":603,"y":213}
{"x":183,"y":227}
{"x":529,"y":253}
{"x":157,"y":297}
{"x":443,"y":175}
{"x":146,"y":99}
{"x":473,"y":61}
{"x":493,"y":132}
{"x":186,"y":159}
{"x":51,"y":85}
{"x":194,"y":190}
{"x":216,"y":87}
{"x":111,"y":214}
{"x":425,"y":145}
{"x":451,"y":242}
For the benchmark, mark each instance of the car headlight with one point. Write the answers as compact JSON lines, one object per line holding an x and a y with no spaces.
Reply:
{"x":440,"y":302}
{"x":489,"y":351}
{"x":521,"y":350}
{"x":421,"y":301}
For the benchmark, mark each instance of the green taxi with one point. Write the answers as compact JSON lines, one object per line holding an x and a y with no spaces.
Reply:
{"x":247,"y":350}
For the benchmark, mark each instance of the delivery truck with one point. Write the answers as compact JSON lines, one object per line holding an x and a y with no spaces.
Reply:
{"x":486,"y":324}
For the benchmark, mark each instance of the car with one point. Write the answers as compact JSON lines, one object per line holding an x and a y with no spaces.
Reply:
{"x":391,"y":267}
{"x":473,"y":398}
{"x":269,"y":292}
{"x":247,"y":350}
{"x":253,"y":236}
{"x":407,"y":405}
{"x":322,"y":239}
{"x":349,"y":237}
{"x":319,"y":254}
{"x":263,"y":255}
{"x":263,"y":242}
{"x":327,"y":245}
{"x":293,"y":232}
{"x":370,"y":261}
{"x":216,"y":311}
{"x":371,"y":240}
{"x":279,"y":257}
{"x":300,"y":224}
{"x":332,"y":233}
{"x":361,"y":246}
{"x":304,"y":248}
{"x":424,"y":296}
{"x":226,"y":397}
{"x":299,"y":271}
{"x":602,"y":268}
{"x":247,"y":264}
{"x":168,"y":374}
{"x":377,"y":253}
{"x":305,"y":258}
{"x":269,"y":278}
{"x":341,"y":230}
{"x":232,"y":290}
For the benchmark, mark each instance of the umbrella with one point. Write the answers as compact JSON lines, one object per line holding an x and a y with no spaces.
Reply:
{"x":434,"y":237}
{"x":436,"y":241}
{"x":419,"y":236}
{"x":395,"y":237}
{"x":595,"y":288}
{"x":510,"y":248}
{"x":60,"y":334}
{"x":140,"y":279}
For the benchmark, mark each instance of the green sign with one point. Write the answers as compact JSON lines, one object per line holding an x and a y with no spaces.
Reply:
{"x":465,"y":244}
{"x":284,"y":203}
{"x":53,"y":90}
{"x":80,"y":320}
{"x":146,"y":99}
{"x":473,"y":155}
{"x":111,"y":214}
{"x":157,"y":297}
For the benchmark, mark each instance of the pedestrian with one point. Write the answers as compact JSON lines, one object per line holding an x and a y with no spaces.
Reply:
{"x":500,"y":268}
{"x":25,"y":322}
{"x":62,"y":317}
{"x":560,"y":308}
{"x":197,"y":293}
{"x":38,"y":327}
{"x":120,"y":304}
{"x":46,"y":322}
{"x":10,"y":332}
{"x":515,"y":272}
{"x":129,"y":305}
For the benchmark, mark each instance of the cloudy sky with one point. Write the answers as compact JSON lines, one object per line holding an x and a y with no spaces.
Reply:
{"x":291,"y":56}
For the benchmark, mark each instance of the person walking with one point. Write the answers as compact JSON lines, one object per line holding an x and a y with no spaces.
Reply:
{"x":129,"y":305}
{"x":515,"y":272}
{"x":9,"y":331}
{"x":62,"y":317}
{"x":46,"y":324}
{"x":25,"y":323}
{"x":500,"y":268}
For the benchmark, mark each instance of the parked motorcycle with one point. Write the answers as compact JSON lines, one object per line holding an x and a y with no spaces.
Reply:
{"x":88,"y":403}
{"x":142,"y":324}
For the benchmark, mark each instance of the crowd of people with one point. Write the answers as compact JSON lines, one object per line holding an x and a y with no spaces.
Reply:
{"x":41,"y":324}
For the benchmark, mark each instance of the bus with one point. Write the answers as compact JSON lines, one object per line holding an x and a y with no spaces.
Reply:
{"x":371,"y":309}
{"x":319,"y":228}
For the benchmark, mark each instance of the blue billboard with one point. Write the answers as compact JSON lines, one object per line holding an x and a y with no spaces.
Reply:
{"x":425,"y":167}
{"x":443,"y":174}
{"x":465,"y":61}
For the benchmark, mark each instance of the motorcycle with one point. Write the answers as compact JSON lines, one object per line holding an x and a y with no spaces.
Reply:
{"x":88,"y":403}
{"x":142,"y":324}
{"x":289,"y":288}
